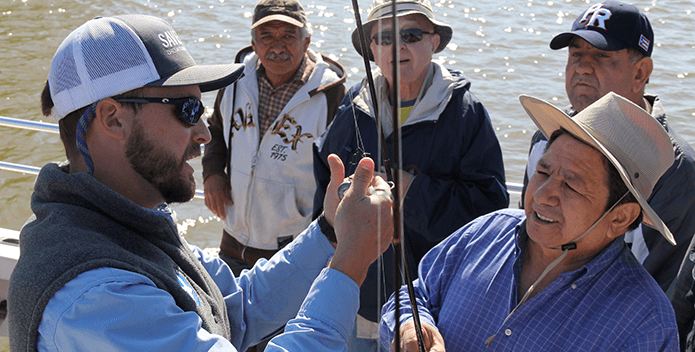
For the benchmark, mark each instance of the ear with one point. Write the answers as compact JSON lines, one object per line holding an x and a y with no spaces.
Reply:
{"x":307,"y":41}
{"x":110,"y":119}
{"x":622,"y":217}
{"x":643,"y":69}
{"x":436,"y":39}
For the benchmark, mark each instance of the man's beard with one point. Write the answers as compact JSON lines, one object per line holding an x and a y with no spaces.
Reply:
{"x":159,"y":168}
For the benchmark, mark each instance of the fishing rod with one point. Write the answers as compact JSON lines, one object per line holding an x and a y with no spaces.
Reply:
{"x":372,"y":90}
{"x":400,"y":259}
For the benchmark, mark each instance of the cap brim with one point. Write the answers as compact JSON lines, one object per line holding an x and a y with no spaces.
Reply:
{"x":208,"y":77}
{"x":549,"y":119}
{"x":595,"y":38}
{"x":283,"y":18}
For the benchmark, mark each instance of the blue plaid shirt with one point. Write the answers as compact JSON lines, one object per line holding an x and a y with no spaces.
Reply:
{"x":468,"y":285}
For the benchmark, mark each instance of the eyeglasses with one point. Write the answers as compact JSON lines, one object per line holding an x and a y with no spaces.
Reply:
{"x":188,"y":110}
{"x":408,"y":35}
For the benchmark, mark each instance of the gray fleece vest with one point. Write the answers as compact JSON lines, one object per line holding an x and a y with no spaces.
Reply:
{"x":82,"y":225}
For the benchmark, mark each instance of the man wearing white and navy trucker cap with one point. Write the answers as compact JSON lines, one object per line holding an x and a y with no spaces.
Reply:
{"x":102,"y":264}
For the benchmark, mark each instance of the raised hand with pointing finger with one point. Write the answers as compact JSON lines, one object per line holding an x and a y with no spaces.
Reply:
{"x":363,"y":219}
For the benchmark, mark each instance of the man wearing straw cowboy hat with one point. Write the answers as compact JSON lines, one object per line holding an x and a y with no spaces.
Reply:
{"x":557,"y":276}
{"x":609,"y":48}
{"x":452,"y":168}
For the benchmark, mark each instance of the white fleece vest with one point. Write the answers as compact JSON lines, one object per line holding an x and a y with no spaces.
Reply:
{"x":272,"y":183}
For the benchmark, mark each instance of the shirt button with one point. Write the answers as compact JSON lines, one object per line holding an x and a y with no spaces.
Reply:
{"x":574,"y":286}
{"x":508,"y":332}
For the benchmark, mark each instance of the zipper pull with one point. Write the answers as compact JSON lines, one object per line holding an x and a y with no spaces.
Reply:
{"x":254,"y":161}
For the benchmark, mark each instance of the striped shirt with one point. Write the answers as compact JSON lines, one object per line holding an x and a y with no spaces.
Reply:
{"x":468,"y":285}
{"x":273,"y":99}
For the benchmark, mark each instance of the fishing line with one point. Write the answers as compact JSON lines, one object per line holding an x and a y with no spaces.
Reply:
{"x":400,"y":260}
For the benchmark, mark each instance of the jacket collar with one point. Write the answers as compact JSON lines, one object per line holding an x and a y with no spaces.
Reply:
{"x":433,"y":98}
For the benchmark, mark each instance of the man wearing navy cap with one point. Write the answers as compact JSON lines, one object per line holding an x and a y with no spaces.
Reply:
{"x":610,"y":47}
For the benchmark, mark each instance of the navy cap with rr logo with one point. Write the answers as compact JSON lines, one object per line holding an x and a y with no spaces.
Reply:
{"x":108,"y":56}
{"x":610,"y":26}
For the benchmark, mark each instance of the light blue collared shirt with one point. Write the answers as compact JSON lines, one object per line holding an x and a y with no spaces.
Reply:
{"x":109,"y":309}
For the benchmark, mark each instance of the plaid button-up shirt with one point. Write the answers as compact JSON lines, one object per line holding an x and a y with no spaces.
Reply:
{"x":273,"y":99}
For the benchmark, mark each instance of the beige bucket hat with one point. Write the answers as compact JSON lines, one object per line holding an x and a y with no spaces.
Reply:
{"x":632,"y":140}
{"x":381,"y":10}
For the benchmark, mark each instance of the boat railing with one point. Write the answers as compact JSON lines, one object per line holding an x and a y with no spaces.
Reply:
{"x":512,"y":187}
{"x":41,"y":127}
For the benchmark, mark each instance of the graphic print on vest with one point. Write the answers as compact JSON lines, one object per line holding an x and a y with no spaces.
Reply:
{"x":241,"y":120}
{"x":286,"y":125}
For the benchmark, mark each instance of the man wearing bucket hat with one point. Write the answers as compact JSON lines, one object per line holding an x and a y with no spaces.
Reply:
{"x":102,"y":264}
{"x":258,"y":166}
{"x":452,"y":162}
{"x":557,"y":276}
{"x":609,"y":49}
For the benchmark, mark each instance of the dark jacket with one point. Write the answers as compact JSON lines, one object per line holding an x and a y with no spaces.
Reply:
{"x":455,"y":157}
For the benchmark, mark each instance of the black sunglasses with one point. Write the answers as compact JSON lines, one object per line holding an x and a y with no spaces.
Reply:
{"x":408,"y":35}
{"x":188,"y":110}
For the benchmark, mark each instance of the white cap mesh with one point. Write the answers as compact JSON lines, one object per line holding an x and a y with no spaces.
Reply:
{"x":101,"y":58}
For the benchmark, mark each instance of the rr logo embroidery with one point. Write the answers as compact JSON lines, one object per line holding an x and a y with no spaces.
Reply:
{"x":598,"y":16}
{"x":286,"y":125}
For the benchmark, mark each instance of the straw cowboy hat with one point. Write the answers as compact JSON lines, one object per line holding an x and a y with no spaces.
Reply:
{"x":633,"y":141}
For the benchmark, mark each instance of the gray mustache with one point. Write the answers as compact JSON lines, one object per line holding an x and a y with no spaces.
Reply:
{"x":281,"y":56}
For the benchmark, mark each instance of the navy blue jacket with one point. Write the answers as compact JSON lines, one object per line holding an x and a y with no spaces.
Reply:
{"x":459,"y":172}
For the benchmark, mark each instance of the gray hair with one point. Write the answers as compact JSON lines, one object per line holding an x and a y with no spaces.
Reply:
{"x":635,"y":55}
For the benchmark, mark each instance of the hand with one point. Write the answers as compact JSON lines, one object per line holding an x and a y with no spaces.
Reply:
{"x":331,"y":200}
{"x":217,"y":194}
{"x":363,"y":222}
{"x":406,"y":179}
{"x":433,"y":340}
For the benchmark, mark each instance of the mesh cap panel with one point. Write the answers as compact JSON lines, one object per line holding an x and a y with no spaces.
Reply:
{"x":113,"y":54}
{"x":100,"y":59}
{"x":70,"y":79}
